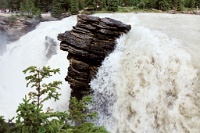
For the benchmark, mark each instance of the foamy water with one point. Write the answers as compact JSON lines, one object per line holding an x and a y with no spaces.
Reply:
{"x":149,"y":84}
{"x":30,"y":50}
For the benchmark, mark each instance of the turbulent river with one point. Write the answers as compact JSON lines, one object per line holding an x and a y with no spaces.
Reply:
{"x":149,"y":84}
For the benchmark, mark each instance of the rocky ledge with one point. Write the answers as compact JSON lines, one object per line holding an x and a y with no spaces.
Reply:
{"x":88,"y":43}
{"x":13,"y":27}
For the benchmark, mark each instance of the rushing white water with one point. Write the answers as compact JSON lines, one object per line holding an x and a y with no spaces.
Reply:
{"x":149,"y":84}
{"x":33,"y":49}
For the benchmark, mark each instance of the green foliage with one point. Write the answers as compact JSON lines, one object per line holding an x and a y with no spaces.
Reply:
{"x":56,"y":9}
{"x":43,"y":5}
{"x":112,"y":5}
{"x":189,"y":3}
{"x":90,"y":4}
{"x":180,"y":6}
{"x":79,"y":115}
{"x":30,"y":115}
{"x":3,"y":4}
{"x":79,"y":107}
{"x":38,"y":14}
{"x":32,"y":119}
{"x":36,"y":79}
{"x":28,"y":8}
{"x":9,"y":4}
{"x":4,"y":128}
{"x":88,"y":127}
{"x":73,"y":7}
{"x":197,"y":3}
{"x":65,"y":5}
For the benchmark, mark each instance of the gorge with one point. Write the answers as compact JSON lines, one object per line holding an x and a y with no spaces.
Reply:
{"x":149,"y":83}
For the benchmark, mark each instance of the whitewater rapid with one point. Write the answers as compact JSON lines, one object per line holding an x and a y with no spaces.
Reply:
{"x":149,"y":84}
{"x":39,"y":47}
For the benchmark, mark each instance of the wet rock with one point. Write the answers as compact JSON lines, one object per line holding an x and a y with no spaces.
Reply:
{"x":12,"y":28}
{"x":88,"y":43}
{"x":50,"y":47}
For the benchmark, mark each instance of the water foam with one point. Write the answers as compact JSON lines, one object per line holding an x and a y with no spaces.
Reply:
{"x":30,"y":50}
{"x":148,"y":84}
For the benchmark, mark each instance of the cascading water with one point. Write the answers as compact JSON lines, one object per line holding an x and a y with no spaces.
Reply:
{"x":3,"y":41}
{"x":39,"y":47}
{"x":149,"y":84}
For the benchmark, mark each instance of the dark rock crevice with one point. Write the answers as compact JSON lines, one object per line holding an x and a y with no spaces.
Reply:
{"x":88,"y":43}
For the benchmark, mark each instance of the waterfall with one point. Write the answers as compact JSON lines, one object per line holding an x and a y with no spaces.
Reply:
{"x":3,"y":41}
{"x":39,"y":47}
{"x":149,"y":84}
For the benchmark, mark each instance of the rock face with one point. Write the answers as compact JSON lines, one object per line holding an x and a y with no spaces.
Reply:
{"x":12,"y":28}
{"x":88,"y":43}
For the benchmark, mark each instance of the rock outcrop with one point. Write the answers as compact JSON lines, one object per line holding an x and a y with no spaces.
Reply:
{"x":88,"y":43}
{"x":13,"y":27}
{"x":50,"y":47}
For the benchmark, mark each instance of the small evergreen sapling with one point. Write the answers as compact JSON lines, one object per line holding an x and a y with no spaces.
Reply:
{"x":30,"y":114}
{"x":32,"y":119}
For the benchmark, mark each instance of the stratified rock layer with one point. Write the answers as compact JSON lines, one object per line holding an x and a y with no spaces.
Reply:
{"x":88,"y":43}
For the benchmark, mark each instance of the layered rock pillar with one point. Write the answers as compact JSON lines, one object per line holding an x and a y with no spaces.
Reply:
{"x":88,"y":43}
